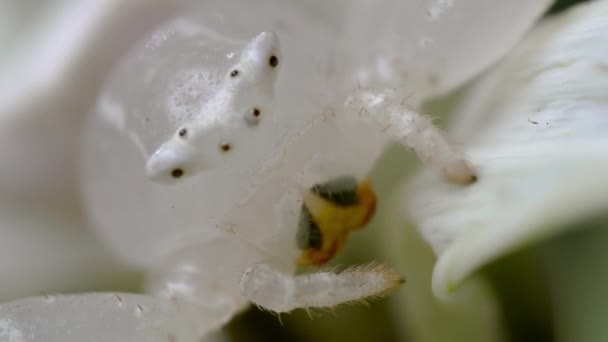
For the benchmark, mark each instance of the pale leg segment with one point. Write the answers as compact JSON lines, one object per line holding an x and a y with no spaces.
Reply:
{"x":273,"y":290}
{"x":201,"y":282}
{"x":413,"y":130}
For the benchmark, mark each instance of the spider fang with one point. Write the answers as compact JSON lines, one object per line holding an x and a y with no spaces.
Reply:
{"x":330,"y":211}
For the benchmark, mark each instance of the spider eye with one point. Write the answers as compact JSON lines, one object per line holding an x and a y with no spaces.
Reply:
{"x":273,"y":61}
{"x":182,"y":132}
{"x":234,"y":73}
{"x":253,"y":116}
{"x":177,"y":173}
{"x":225,"y":147}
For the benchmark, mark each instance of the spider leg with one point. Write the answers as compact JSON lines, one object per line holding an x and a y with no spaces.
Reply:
{"x":413,"y":130}
{"x":276,"y":291}
{"x":201,"y":281}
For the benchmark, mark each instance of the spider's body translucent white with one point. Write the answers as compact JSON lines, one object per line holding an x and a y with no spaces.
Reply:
{"x":166,"y":83}
{"x":246,"y":130}
{"x":297,"y":166}
{"x":227,"y":209}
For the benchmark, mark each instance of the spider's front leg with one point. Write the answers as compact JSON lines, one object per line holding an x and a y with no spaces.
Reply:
{"x":271,"y":289}
{"x":329,"y":212}
{"x":411,"y":129}
{"x":201,"y":281}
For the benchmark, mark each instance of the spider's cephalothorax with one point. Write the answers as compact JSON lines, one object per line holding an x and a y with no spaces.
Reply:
{"x":342,"y":147}
{"x":330,"y":211}
{"x":228,"y":121}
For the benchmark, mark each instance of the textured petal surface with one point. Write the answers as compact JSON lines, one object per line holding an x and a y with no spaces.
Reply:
{"x":44,"y":249}
{"x":53,"y":56}
{"x":432,"y":46}
{"x":94,"y":317}
{"x":49,"y":78}
{"x":535,"y":130}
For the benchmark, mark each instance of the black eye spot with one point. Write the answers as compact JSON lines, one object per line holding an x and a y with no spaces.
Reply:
{"x":177,"y":173}
{"x":182,"y":132}
{"x":253,"y":116}
{"x":273,"y":61}
{"x":225,"y":147}
{"x":233,"y":73}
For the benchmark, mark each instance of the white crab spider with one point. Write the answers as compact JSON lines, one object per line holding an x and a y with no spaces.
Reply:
{"x":226,"y":233}
{"x":215,"y":242}
{"x":170,"y":232}
{"x":230,"y":117}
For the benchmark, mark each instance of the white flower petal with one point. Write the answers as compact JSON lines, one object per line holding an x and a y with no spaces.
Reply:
{"x":535,"y":129}
{"x":475,"y":315}
{"x":77,"y":37}
{"x":43,"y":249}
{"x":93,"y":317}
{"x":50,"y":80}
{"x":437,"y":45}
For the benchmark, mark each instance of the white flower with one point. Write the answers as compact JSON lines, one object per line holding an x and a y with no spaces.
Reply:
{"x":437,"y":58}
{"x":535,"y":129}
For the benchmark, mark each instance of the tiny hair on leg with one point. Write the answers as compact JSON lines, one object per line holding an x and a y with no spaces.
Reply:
{"x":414,"y":130}
{"x":278,"y":292}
